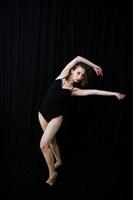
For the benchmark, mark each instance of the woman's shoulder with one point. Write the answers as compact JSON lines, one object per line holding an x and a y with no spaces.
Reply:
{"x":60,"y":78}
{"x":57,"y":79}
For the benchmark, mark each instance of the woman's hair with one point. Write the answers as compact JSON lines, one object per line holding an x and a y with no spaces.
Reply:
{"x":87,"y":76}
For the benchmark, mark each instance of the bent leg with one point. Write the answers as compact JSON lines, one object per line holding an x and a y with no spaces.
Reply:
{"x":50,"y":132}
{"x":55,"y":149}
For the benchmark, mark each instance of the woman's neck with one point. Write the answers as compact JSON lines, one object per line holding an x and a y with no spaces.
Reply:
{"x":68,"y":83}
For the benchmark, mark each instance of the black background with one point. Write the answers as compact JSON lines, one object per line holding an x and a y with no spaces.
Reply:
{"x":37,"y":40}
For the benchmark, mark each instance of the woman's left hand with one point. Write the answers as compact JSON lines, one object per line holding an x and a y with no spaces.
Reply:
{"x":98,"y":70}
{"x":120,"y":96}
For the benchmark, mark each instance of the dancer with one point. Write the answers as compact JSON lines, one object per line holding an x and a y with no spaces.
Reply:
{"x":70,"y":82}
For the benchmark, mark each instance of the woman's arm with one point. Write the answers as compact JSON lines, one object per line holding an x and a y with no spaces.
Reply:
{"x":95,"y":67}
{"x":80,"y":92}
{"x":71,"y":64}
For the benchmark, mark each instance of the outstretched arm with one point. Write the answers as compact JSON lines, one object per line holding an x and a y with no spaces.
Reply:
{"x":80,"y":92}
{"x":71,"y":64}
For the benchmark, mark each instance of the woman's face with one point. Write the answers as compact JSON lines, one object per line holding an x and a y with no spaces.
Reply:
{"x":77,"y":74}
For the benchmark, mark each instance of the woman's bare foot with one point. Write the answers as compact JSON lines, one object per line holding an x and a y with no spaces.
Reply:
{"x":51,"y":180}
{"x":57,"y":164}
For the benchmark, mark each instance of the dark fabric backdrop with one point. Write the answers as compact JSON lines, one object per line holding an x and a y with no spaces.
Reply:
{"x":37,"y":40}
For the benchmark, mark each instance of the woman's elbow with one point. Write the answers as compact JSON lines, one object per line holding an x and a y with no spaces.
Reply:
{"x":95,"y":92}
{"x":78,"y":58}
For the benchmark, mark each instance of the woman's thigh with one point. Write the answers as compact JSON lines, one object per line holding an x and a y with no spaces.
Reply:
{"x":51,"y":129}
{"x":43,"y":121}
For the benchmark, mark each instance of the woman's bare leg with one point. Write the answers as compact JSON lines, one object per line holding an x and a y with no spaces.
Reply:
{"x":55,"y":149}
{"x":50,"y":131}
{"x":54,"y":146}
{"x":42,"y":121}
{"x":43,"y":124}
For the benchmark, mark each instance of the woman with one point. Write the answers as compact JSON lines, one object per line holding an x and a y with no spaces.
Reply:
{"x":51,"y":110}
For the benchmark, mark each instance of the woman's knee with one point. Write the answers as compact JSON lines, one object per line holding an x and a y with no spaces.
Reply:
{"x":44,"y":146}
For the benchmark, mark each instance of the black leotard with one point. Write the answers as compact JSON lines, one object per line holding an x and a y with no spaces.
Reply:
{"x":53,"y":103}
